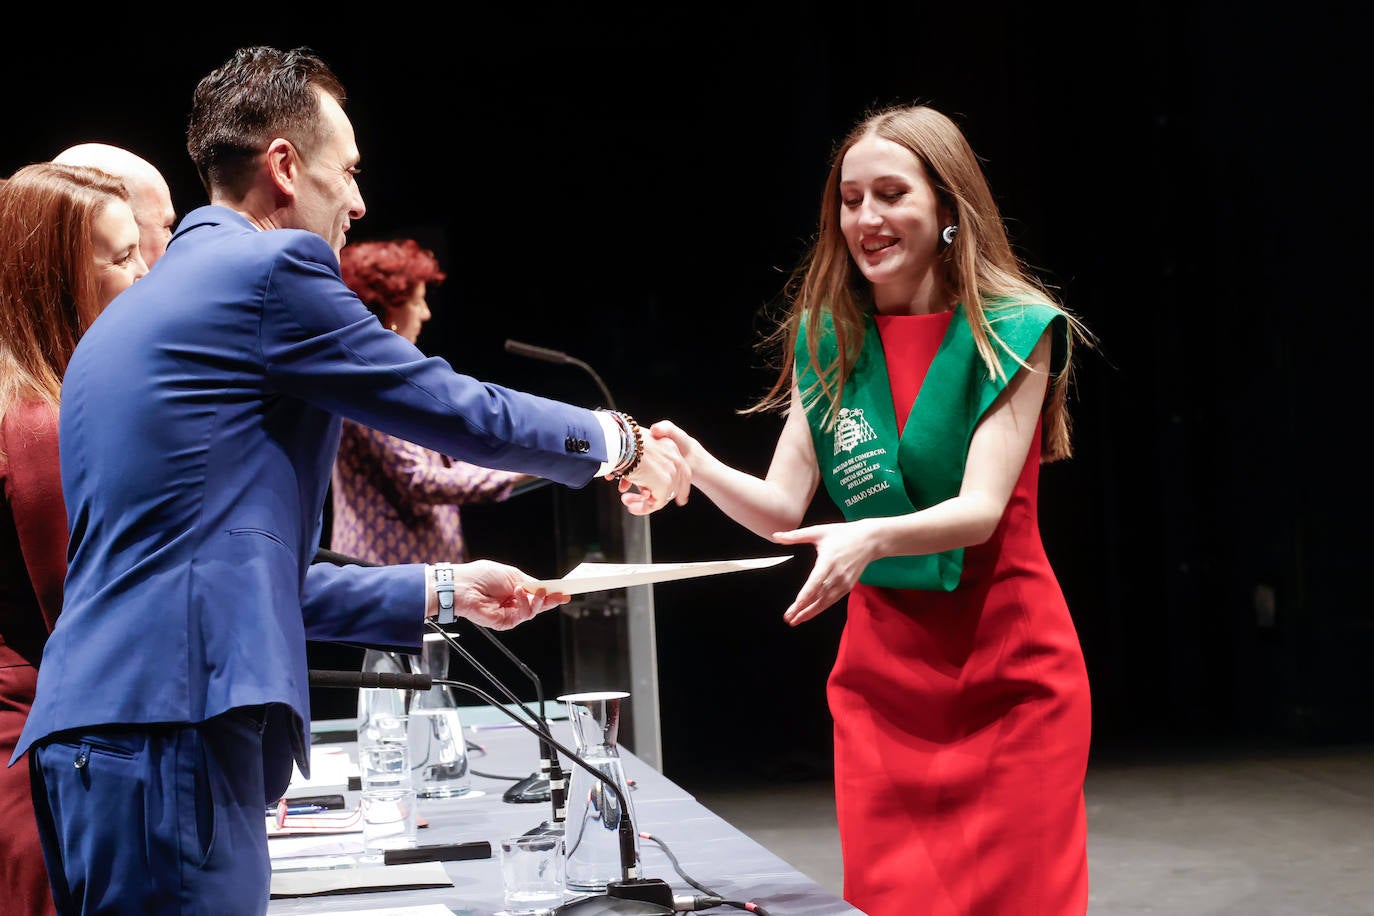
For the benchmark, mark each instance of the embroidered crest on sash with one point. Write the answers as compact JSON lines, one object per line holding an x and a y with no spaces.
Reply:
{"x":852,"y":430}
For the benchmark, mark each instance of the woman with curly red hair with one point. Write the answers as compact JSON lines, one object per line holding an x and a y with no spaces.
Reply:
{"x":394,"y":501}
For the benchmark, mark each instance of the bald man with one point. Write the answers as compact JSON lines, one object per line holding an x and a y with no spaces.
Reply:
{"x":149,"y":196}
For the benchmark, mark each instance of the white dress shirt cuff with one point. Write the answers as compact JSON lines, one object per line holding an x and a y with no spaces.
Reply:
{"x":614,"y":441}
{"x":431,"y":596}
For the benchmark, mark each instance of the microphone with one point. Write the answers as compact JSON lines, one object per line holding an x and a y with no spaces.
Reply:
{"x":560,"y":358}
{"x":633,"y":531}
{"x":549,"y":774}
{"x":546,"y":784}
{"x":625,"y":896}
{"x":324,"y":555}
{"x":533,"y":352}
{"x":394,"y":679}
{"x":534,"y":787}
{"x":629,"y":895}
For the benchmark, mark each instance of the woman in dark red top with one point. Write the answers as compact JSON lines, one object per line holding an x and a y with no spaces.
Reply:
{"x":68,"y":246}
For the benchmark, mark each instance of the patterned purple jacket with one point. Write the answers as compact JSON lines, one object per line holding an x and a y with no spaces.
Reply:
{"x":397,"y":502}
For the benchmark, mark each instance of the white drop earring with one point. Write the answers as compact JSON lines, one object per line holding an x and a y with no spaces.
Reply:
{"x":948,"y":234}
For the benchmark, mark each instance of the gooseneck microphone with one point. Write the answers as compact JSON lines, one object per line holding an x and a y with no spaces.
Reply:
{"x":545,"y":784}
{"x":560,"y":358}
{"x":632,"y":532}
{"x":550,"y":774}
{"x":324,"y":555}
{"x":533,"y":352}
{"x":631,"y":894}
{"x":394,"y":679}
{"x":629,"y":865}
{"x":535,"y":787}
{"x":623,"y":896}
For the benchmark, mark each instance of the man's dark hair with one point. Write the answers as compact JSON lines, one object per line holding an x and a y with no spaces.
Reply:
{"x":257,"y":95}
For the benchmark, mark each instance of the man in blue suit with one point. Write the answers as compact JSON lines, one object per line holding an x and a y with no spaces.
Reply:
{"x":200,"y":418}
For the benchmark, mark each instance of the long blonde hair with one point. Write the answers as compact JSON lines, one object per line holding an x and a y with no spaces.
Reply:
{"x":47,"y":273}
{"x":980,"y":268}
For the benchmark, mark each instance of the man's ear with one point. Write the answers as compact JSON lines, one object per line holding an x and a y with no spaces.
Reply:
{"x":283,"y":164}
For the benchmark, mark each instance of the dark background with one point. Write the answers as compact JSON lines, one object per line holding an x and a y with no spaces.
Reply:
{"x":632,"y":189}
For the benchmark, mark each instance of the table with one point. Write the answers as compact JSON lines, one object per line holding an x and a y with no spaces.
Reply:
{"x":707,"y":847}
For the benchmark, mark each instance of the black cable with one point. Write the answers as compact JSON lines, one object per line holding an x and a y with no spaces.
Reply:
{"x":550,"y":768}
{"x":475,"y":748}
{"x":496,"y":776}
{"x":467,"y":656}
{"x":524,"y":669}
{"x":716,"y":899}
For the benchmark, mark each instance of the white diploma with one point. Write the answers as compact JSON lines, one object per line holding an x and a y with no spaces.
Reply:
{"x":596,"y":577}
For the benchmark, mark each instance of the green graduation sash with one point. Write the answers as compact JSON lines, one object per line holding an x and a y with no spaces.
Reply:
{"x":870,"y":473}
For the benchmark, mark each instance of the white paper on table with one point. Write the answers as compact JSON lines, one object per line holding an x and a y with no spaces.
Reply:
{"x":342,"y":820}
{"x":362,"y":878}
{"x":424,"y":909}
{"x":285,"y":847}
{"x":596,"y":577}
{"x":330,"y":766}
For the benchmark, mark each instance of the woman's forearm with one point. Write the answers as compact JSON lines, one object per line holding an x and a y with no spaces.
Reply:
{"x":763,"y":505}
{"x":756,"y":504}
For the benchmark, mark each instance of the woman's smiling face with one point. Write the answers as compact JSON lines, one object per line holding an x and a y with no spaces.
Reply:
{"x":890,"y":216}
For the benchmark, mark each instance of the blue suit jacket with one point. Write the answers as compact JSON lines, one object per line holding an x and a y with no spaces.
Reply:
{"x":200,"y":419}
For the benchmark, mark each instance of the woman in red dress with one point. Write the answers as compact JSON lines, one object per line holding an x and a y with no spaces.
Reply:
{"x":68,"y":245}
{"x":924,"y":379}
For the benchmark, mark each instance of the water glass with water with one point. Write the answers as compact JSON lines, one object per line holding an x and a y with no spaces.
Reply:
{"x":388,"y":804}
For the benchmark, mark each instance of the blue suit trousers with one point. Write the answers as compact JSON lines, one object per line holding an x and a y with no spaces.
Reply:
{"x":158,"y":819}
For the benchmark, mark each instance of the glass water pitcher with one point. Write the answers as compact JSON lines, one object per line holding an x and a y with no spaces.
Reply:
{"x":592,"y":831}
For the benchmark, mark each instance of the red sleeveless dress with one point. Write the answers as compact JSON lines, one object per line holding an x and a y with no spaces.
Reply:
{"x":962,"y":719}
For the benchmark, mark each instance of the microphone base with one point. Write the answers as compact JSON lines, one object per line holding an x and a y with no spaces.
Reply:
{"x":530,"y":790}
{"x":643,"y":896}
{"x":601,"y":905}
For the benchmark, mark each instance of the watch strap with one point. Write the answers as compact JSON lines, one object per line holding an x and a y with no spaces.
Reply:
{"x":443,"y":587}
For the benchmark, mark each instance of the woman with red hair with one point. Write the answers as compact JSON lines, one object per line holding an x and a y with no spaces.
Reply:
{"x":394,"y":501}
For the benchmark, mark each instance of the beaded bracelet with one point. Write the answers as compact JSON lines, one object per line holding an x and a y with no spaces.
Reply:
{"x":632,"y":449}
